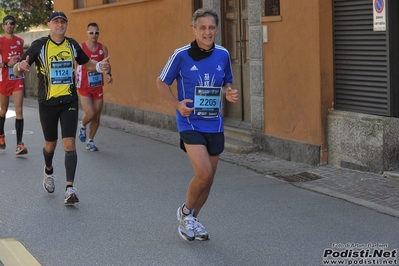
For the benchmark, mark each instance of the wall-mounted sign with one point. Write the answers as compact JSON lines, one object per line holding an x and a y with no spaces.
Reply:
{"x":379,"y":18}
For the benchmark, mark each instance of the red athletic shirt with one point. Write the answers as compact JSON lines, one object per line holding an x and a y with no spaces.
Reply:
{"x":9,"y":48}
{"x":86,"y":79}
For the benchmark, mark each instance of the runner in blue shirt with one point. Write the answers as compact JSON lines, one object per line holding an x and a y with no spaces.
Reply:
{"x":203,"y":74}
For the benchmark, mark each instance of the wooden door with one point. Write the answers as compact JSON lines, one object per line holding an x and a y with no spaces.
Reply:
{"x":236,"y":40}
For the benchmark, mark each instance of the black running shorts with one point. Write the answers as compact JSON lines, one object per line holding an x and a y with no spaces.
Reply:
{"x":214,"y":142}
{"x":67,"y":114}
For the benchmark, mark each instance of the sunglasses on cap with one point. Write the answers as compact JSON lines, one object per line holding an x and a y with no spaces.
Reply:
{"x":9,"y":23}
{"x":93,"y":32}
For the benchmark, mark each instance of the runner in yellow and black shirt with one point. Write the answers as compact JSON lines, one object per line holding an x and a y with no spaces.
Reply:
{"x":55,"y":57}
{"x":56,"y":68}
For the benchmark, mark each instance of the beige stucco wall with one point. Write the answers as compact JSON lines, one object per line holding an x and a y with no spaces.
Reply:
{"x":298,"y":77}
{"x":140,"y":36}
{"x":297,"y":60}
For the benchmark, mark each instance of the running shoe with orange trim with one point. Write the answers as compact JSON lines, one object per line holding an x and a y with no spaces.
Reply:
{"x":21,"y":149}
{"x":2,"y":142}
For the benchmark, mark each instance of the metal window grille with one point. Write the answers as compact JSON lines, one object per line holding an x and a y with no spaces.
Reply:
{"x":360,"y":59}
{"x":271,"y":7}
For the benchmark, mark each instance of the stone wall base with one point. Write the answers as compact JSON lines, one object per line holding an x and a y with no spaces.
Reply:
{"x":363,"y":142}
{"x":289,"y":150}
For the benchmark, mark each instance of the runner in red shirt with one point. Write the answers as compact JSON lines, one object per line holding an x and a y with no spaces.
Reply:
{"x":90,"y":86}
{"x":11,"y":50}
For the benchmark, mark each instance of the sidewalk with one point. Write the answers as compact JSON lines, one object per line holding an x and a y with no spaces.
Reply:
{"x":367,"y":189}
{"x":371,"y":190}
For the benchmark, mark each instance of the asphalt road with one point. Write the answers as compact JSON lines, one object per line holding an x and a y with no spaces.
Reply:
{"x":129,"y":193}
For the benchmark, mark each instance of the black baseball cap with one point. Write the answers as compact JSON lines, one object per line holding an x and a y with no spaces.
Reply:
{"x":57,"y":14}
{"x":9,"y":17}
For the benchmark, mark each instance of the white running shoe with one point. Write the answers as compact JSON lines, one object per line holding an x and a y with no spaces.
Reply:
{"x":90,"y":146}
{"x":199,"y":231}
{"x":70,"y":196}
{"x":186,"y":225}
{"x":82,"y":132}
{"x":48,"y":182}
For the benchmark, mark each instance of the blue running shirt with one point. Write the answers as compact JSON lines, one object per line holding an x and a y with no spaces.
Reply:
{"x":213,"y":71}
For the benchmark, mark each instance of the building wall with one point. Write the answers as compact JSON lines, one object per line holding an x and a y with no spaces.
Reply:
{"x":298,"y":74}
{"x":291,"y":75}
{"x":140,"y":36}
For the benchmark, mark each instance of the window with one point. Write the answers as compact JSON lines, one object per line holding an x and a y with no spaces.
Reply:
{"x":197,"y":4}
{"x":271,"y":8}
{"x":80,"y":4}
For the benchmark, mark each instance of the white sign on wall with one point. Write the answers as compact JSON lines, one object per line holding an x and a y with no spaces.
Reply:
{"x":379,"y":17}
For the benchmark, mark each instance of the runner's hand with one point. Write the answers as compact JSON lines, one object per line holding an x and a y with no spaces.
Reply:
{"x":231,"y":95}
{"x":183,"y":109}
{"x":109,"y":78}
{"x":24,"y":65}
{"x":104,"y":65}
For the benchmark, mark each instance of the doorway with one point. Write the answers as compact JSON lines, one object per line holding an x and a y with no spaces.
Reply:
{"x":235,"y":37}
